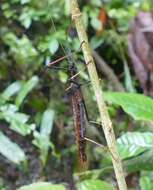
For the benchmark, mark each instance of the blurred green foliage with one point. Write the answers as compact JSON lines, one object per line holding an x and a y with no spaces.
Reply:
{"x":32,"y":98}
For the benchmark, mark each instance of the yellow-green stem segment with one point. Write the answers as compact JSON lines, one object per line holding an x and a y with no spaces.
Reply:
{"x":105,"y":119}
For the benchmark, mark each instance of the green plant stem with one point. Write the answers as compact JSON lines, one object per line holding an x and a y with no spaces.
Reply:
{"x":105,"y":119}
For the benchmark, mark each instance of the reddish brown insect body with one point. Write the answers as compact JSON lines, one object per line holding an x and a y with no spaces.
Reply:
{"x":78,"y":108}
{"x":79,"y":122}
{"x":78,"y":112}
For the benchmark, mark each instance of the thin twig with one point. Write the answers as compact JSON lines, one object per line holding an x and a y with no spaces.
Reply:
{"x":105,"y":119}
{"x":96,"y":143}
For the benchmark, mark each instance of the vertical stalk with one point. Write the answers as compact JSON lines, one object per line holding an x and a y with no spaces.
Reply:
{"x":105,"y":119}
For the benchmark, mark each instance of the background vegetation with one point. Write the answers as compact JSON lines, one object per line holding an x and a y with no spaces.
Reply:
{"x":37,"y":141}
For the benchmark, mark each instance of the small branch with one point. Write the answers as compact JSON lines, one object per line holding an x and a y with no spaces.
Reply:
{"x":96,"y":143}
{"x":105,"y":120}
{"x":108,"y":72}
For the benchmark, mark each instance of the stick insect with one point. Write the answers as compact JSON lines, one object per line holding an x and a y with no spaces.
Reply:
{"x":80,"y":115}
{"x":77,"y":104}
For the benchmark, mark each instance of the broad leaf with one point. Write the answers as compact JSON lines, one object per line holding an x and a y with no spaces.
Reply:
{"x":132,"y":144}
{"x":42,"y":186}
{"x":7,"y":110}
{"x":21,"y":49}
{"x":128,"y":79}
{"x":53,"y":46}
{"x":11,"y":150}
{"x":11,"y":90}
{"x":22,"y":128}
{"x":29,"y":85}
{"x":9,"y":116}
{"x":94,"y":185}
{"x":47,"y":122}
{"x":25,"y":19}
{"x":96,"y":42}
{"x":145,"y":183}
{"x":24,"y":1}
{"x":42,"y":138}
{"x":140,"y":107}
{"x":143,"y":161}
{"x":16,"y":119}
{"x":96,"y":24}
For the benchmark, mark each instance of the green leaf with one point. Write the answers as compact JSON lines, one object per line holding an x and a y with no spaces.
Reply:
{"x":143,"y":161}
{"x":42,"y":139}
{"x":145,"y":6}
{"x":27,"y":87}
{"x":134,"y":143}
{"x":63,"y":76}
{"x":42,"y":186}
{"x":128,"y":79}
{"x":11,"y":90}
{"x":26,"y":16}
{"x":53,"y":46}
{"x":21,"y":49}
{"x":140,"y":107}
{"x":47,"y":122}
{"x":118,"y":13}
{"x":7,"y":110}
{"x":67,"y":7}
{"x":11,"y":150}
{"x":16,"y":119}
{"x":96,"y":24}
{"x":94,"y":185}
{"x":96,"y":42}
{"x":24,"y":1}
{"x":97,"y":3}
{"x":22,"y":128}
{"x":25,"y":20}
{"x":10,"y":39}
{"x":145,"y":183}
